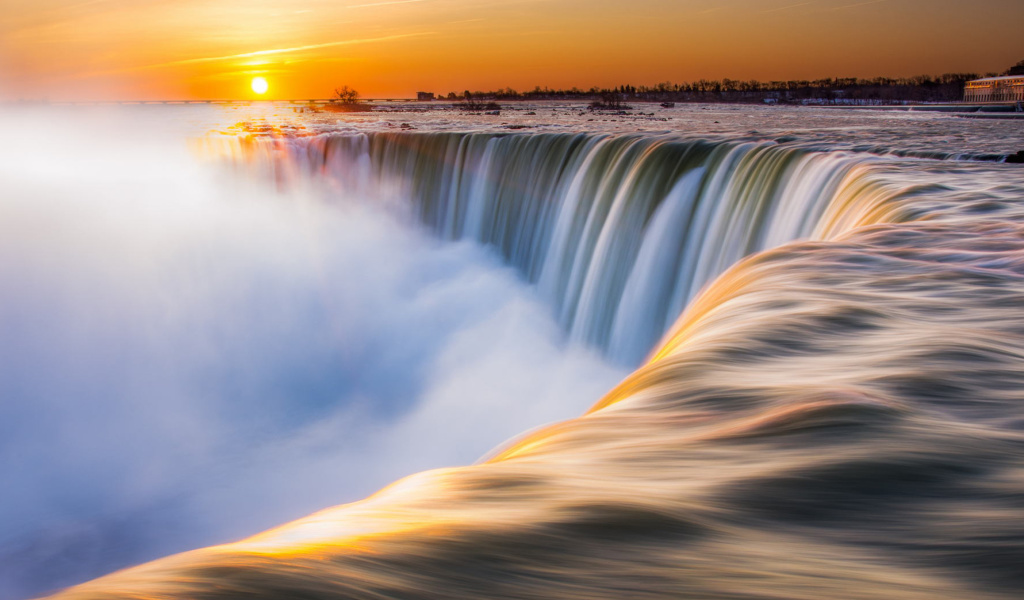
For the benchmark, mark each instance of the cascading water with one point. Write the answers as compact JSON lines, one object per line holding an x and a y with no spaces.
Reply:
{"x":617,"y":232}
{"x":835,"y":418}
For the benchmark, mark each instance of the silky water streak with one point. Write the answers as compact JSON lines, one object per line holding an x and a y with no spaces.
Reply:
{"x":836,"y":418}
{"x":618,"y":232}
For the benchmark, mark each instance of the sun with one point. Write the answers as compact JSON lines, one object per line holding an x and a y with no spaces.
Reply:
{"x":260,"y":85}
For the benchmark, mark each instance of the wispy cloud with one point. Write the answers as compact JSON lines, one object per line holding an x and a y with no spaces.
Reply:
{"x":859,"y":4}
{"x":789,"y":7}
{"x":810,"y":2}
{"x":85,"y":4}
{"x":272,"y":51}
{"x":383,"y":3}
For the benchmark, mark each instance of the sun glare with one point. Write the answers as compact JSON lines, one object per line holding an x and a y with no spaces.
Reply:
{"x":259,"y":85}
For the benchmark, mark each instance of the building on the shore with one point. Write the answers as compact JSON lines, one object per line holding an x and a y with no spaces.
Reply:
{"x":424,"y":96}
{"x":1009,"y":88}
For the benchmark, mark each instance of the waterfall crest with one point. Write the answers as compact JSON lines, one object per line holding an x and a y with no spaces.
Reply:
{"x":618,"y":232}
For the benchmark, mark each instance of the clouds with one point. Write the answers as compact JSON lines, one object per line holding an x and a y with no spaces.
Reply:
{"x":188,"y":49}
{"x":279,"y":51}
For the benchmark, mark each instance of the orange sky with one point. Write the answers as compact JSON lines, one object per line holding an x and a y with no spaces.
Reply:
{"x":195,"y":49}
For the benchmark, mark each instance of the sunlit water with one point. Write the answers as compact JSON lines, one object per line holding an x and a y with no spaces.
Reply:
{"x":199,"y":348}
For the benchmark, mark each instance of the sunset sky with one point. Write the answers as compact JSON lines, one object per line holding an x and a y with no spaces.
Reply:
{"x":196,"y":49}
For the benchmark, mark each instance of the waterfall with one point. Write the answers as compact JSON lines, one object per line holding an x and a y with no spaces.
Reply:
{"x":618,"y":232}
{"x":838,"y":417}
{"x":834,"y":418}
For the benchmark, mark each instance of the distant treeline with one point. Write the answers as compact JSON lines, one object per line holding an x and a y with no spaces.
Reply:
{"x":880,"y":90}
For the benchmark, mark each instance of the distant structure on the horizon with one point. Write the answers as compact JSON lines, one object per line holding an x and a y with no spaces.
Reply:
{"x":424,"y":96}
{"x":1008,"y":88}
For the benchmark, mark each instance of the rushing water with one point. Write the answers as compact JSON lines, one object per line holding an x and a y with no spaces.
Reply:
{"x":618,"y":232}
{"x":837,"y":417}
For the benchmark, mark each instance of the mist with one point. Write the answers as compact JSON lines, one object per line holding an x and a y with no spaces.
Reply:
{"x":189,"y":356}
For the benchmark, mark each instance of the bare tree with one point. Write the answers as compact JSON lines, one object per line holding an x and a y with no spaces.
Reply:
{"x":346,"y":95}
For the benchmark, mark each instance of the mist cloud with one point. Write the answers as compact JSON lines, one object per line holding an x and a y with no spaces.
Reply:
{"x":188,"y":358}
